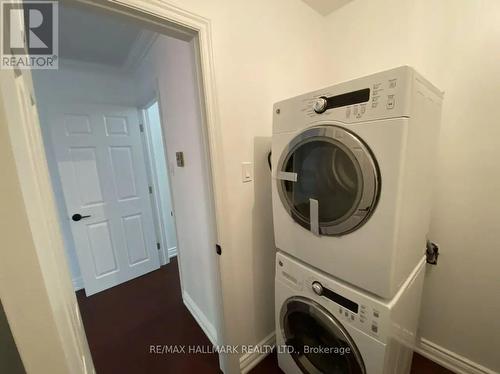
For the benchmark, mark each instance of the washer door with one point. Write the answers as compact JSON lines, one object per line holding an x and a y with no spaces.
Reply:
{"x":328,"y":180}
{"x":320,"y":343}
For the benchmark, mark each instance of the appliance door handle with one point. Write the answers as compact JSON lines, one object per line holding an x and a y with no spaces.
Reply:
{"x":77,"y":217}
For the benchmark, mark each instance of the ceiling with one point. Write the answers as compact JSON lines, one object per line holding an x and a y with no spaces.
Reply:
{"x":97,"y":38}
{"x":106,"y":39}
{"x":326,"y":7}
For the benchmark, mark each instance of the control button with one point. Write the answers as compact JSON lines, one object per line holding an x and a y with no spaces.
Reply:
{"x":375,"y":328}
{"x":390,"y":101}
{"x":362,"y":319}
{"x":319,"y":105}
{"x":346,"y":314}
{"x":340,"y":310}
{"x":317,"y":288}
{"x":363,"y":109}
{"x":352,"y":317}
{"x":348,"y":112}
{"x":375,"y":314}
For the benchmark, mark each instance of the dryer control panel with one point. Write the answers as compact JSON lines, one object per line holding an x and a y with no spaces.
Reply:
{"x":379,"y":96}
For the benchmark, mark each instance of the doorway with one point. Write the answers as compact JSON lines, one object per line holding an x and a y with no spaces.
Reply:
{"x":111,"y":124}
{"x":159,"y":176}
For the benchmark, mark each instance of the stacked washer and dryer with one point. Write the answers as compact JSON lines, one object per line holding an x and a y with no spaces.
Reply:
{"x":353,"y":171}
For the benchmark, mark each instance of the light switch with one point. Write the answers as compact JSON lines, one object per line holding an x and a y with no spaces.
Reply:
{"x":246,"y":172}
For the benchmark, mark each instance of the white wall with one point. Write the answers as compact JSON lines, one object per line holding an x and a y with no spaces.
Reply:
{"x":455,"y":44}
{"x":69,"y":85}
{"x":458,"y":45}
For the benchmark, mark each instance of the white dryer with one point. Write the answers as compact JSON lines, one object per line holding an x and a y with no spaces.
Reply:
{"x":325,"y":326}
{"x":353,"y":170}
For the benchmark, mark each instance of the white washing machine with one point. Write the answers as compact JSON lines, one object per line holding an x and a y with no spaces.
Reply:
{"x":325,"y":326}
{"x":353,"y":170}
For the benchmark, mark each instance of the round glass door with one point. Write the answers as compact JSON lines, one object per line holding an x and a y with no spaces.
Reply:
{"x":328,"y":180}
{"x":318,"y":342}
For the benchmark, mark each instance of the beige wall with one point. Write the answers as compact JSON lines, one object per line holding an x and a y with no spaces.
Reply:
{"x":455,"y":44}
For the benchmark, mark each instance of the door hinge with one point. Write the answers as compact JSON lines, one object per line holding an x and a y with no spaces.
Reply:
{"x":218,"y":249}
{"x":179,"y":157}
{"x":150,"y":189}
{"x":158,"y":245}
{"x":141,"y":127}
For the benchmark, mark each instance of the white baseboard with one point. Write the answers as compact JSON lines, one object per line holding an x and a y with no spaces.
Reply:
{"x":78,"y":283}
{"x":200,"y":317}
{"x":249,"y":360}
{"x":172,"y":252}
{"x":449,"y":359}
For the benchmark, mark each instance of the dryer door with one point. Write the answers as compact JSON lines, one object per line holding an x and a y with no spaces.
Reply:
{"x":328,"y":180}
{"x":320,"y":343}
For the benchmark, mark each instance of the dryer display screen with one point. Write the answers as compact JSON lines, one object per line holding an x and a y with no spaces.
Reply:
{"x":341,"y":300}
{"x":349,"y":98}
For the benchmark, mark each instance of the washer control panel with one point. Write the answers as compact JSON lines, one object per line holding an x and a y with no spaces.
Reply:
{"x":345,"y":304}
{"x":364,"y":316}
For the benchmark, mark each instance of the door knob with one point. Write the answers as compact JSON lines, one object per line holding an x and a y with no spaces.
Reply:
{"x":76,"y":217}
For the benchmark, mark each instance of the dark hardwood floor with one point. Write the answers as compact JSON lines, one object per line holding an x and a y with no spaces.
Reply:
{"x":122,"y":324}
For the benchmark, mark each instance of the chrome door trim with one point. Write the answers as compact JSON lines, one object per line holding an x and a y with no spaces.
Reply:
{"x":318,"y":311}
{"x":368,"y":171}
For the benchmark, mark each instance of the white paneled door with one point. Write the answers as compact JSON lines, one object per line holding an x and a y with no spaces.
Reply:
{"x":101,"y":162}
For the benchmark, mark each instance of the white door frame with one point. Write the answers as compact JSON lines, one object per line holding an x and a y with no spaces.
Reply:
{"x":153,"y":180}
{"x":31,"y":166}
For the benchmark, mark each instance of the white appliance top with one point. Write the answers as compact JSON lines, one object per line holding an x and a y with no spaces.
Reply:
{"x":381,"y":95}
